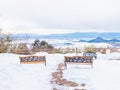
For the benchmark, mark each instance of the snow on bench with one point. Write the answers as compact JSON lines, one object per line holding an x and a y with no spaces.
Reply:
{"x":85,"y":60}
{"x":32,"y":59}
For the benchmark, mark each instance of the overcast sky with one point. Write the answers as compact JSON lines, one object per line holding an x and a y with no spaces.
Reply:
{"x":59,"y":16}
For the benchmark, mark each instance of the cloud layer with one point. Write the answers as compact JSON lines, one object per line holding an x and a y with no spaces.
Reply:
{"x":65,"y":15}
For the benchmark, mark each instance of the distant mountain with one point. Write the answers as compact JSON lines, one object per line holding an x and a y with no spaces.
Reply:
{"x":83,"y":41}
{"x":80,"y":35}
{"x":77,"y":35}
{"x":114,"y":40}
{"x":99,"y":40}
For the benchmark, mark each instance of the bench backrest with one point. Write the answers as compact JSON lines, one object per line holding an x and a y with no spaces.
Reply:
{"x":32,"y":59}
{"x":78,"y":59}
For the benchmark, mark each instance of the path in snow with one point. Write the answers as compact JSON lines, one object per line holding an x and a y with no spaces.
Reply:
{"x":60,"y":83}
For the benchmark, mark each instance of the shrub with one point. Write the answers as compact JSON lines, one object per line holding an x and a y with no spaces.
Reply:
{"x":90,"y":48}
{"x":38,"y":46}
{"x":21,"y":48}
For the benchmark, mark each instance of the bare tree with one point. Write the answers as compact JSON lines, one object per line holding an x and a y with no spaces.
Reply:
{"x":5,"y":40}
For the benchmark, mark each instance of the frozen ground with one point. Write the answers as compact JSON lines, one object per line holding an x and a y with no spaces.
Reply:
{"x":105,"y":74}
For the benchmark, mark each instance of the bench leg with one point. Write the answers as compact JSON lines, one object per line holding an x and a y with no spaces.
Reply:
{"x":45,"y":62}
{"x":92,"y":65}
{"x":65,"y":65}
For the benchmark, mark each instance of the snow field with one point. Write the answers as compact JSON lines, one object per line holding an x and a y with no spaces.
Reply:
{"x":105,"y":74}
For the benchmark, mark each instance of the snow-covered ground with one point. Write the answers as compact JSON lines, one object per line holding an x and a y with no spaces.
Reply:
{"x":105,"y":74}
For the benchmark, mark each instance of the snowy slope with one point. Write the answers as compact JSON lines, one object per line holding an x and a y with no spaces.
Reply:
{"x":16,"y":76}
{"x":105,"y":74}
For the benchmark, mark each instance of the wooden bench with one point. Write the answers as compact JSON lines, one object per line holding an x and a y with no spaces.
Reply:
{"x":85,"y":60}
{"x":32,"y":59}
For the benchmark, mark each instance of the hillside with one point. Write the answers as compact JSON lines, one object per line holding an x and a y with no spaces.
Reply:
{"x":77,"y":35}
